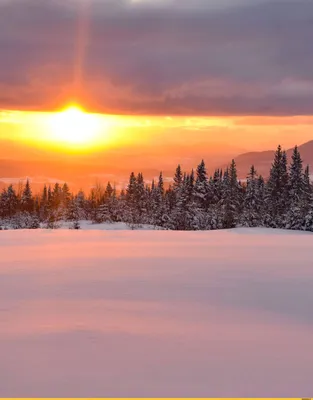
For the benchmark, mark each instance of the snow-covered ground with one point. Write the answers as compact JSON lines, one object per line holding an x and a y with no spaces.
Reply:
{"x":156,"y":313}
{"x":116,"y":226}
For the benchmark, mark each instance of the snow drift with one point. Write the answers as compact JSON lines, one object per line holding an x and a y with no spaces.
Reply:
{"x":156,"y":313}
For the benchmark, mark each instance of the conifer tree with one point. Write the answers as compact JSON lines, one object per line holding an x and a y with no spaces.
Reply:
{"x":252,"y":200}
{"x":296,"y":181}
{"x":131,"y":190}
{"x":235,"y":187}
{"x":277,"y":191}
{"x":43,"y":204}
{"x":296,"y":202}
{"x":201,"y":186}
{"x":228,"y":209}
{"x":131,"y":214}
{"x":140,"y":198}
{"x":56,"y":196}
{"x":27,"y":202}
{"x":80,"y":200}
{"x":178,"y":179}
{"x":9,"y":202}
{"x":108,"y":191}
{"x":307,"y":189}
{"x":113,"y":204}
{"x":65,"y":196}
{"x":103,"y":214}
{"x":72,"y":213}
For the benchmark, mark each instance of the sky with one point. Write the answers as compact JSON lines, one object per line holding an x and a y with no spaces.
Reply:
{"x":219,"y":77}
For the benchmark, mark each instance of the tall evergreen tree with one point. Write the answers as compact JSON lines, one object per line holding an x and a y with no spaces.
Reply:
{"x":277,"y":191}
{"x":252,"y":200}
{"x":178,"y":178}
{"x":296,"y":202}
{"x":65,"y":196}
{"x":296,"y":181}
{"x":27,"y":201}
{"x":228,"y":209}
{"x":9,"y":202}
{"x":201,"y":186}
{"x":108,"y":191}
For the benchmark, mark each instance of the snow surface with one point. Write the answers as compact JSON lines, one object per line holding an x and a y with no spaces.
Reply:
{"x":116,"y":226}
{"x":156,"y":313}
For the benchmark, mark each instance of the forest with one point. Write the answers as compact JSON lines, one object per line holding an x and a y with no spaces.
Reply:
{"x":192,"y":201}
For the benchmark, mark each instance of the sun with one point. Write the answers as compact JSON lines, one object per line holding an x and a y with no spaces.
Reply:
{"x":74,"y":126}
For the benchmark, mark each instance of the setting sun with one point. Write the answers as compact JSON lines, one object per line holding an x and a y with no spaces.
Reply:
{"x":74,"y":126}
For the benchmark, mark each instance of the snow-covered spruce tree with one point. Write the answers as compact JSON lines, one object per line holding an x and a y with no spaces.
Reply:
{"x":72,"y":213}
{"x":178,"y":178}
{"x":102,"y":214}
{"x":307,"y":188}
{"x":297,"y":209}
{"x":27,"y":201}
{"x":173,"y":196}
{"x":308,"y":202}
{"x":25,"y":220}
{"x":43,"y":205}
{"x":9,"y":202}
{"x":230,"y":202}
{"x":261,"y":197}
{"x":215,"y":187}
{"x":131,"y":214}
{"x":296,"y":179}
{"x":113,"y":204}
{"x":308,"y":219}
{"x":199,"y":217}
{"x":170,"y":199}
{"x":252,"y":210}
{"x":92,"y":206}
{"x":56,"y":197}
{"x":109,"y":190}
{"x":200,"y":191}
{"x":234,"y":184}
{"x":188,"y":213}
{"x":179,"y":213}
{"x":66,"y":197}
{"x":50,"y":200}
{"x":160,"y":214}
{"x":140,"y":199}
{"x":121,"y":206}
{"x":37,"y":205}
{"x":276,"y":193}
{"x":191,"y":212}
{"x":81,"y":203}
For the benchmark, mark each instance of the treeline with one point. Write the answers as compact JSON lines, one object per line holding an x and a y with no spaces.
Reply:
{"x":193,"y":201}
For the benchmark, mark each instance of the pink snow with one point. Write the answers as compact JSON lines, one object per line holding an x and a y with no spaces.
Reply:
{"x":156,"y":313}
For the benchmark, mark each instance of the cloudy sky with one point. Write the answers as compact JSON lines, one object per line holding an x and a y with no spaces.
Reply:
{"x":188,"y":79}
{"x":158,"y":57}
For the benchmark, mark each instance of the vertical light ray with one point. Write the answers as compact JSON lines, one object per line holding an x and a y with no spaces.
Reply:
{"x":83,"y":24}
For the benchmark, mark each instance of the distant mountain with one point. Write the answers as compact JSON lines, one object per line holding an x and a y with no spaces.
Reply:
{"x":262,"y":160}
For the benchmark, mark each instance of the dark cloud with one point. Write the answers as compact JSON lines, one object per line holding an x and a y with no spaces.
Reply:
{"x":158,"y":56}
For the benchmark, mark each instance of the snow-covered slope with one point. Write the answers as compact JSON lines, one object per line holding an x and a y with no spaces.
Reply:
{"x":121,"y":313}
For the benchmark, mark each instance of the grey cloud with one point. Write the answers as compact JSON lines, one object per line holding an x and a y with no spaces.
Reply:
{"x":159,"y":57}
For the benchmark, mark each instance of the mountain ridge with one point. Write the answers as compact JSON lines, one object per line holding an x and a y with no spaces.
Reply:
{"x":262,"y":160}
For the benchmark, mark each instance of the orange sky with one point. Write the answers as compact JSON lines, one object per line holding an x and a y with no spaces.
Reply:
{"x":226,"y":135}
{"x":47,"y":146}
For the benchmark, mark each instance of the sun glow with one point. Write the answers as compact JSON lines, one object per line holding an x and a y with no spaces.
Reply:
{"x":75,"y":127}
